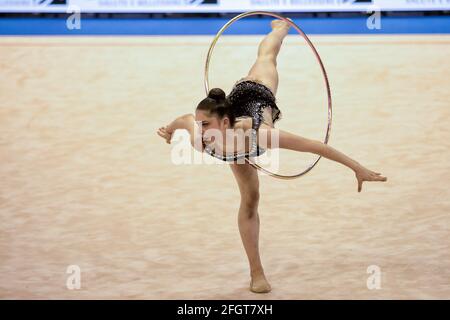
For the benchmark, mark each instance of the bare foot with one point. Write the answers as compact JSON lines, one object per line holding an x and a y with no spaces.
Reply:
{"x":259,"y":283}
{"x":280,"y":24}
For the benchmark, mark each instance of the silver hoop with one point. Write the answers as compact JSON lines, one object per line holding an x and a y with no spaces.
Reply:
{"x":324,"y":73}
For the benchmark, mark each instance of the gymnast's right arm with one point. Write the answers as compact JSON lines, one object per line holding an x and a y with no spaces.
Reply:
{"x":187,"y":122}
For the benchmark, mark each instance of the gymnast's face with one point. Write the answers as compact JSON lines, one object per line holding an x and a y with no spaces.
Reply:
{"x":211,"y":125}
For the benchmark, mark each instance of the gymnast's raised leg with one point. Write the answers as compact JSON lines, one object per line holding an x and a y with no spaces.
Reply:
{"x":265,"y":67}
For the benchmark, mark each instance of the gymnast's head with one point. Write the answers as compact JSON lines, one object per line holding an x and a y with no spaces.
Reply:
{"x":214,"y":112}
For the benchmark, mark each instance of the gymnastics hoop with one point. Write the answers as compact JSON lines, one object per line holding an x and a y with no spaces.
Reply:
{"x":324,"y":73}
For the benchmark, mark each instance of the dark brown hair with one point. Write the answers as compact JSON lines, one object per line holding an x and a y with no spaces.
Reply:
{"x":216,"y":104}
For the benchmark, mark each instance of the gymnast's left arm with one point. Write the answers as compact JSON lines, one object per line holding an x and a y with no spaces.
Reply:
{"x":362,"y":173}
{"x":287,"y":140}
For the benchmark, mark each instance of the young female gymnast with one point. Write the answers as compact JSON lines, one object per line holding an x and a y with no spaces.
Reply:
{"x":251,"y":106}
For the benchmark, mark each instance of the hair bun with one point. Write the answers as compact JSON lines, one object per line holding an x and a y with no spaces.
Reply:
{"x":216,"y":94}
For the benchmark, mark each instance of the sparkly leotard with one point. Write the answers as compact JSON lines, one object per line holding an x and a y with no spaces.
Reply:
{"x":249,"y":98}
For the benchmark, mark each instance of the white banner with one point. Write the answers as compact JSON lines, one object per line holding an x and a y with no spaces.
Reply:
{"x":203,"y":6}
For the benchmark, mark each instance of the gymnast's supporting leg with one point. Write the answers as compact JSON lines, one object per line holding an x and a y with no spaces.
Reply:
{"x":248,"y":221}
{"x":264,"y":69}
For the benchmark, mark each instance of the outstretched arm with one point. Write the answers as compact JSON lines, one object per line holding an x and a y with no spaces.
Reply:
{"x":186,"y":121}
{"x":167,"y":131}
{"x":291,"y":141}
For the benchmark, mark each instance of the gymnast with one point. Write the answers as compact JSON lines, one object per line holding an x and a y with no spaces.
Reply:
{"x":250,"y":107}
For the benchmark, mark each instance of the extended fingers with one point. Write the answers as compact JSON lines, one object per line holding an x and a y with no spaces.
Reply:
{"x":377,"y":177}
{"x":162,"y":133}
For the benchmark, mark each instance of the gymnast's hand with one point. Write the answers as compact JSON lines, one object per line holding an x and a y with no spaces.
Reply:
{"x":364,"y":174}
{"x":164,"y":133}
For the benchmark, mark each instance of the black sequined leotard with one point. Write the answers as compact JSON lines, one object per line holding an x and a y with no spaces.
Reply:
{"x":248,"y":98}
